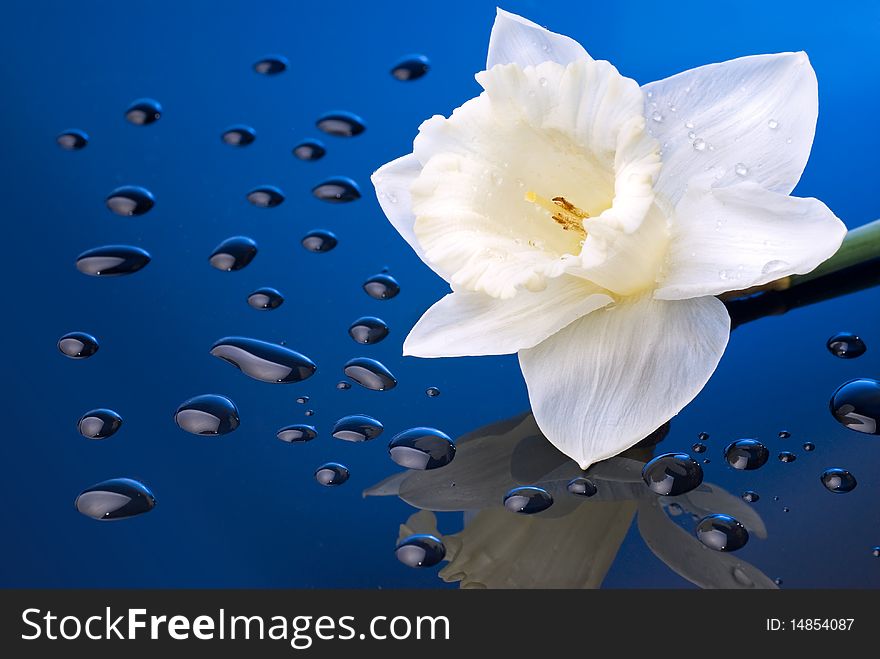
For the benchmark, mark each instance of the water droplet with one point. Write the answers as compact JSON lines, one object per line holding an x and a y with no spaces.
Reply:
{"x":772,"y":124}
{"x":784,"y":434}
{"x":342,"y":385}
{"x":99,"y":424}
{"x":357,"y":428}
{"x":233,"y":253}
{"x":411,"y":67}
{"x":341,"y":124}
{"x":332,"y":473}
{"x":698,"y":448}
{"x":302,"y":400}
{"x":266,"y":196}
{"x":265,"y":299}
{"x":144,"y":111}
{"x":657,"y":117}
{"x":382,"y":287}
{"x":310,"y":150}
{"x":746,"y":454}
{"x":786,"y":509}
{"x":368,"y":329}
{"x":839,"y":481}
{"x":750,"y":496}
{"x":78,"y":345}
{"x":740,"y":576}
{"x":432,"y":392}
{"x":337,"y":190}
{"x":271,"y":65}
{"x":703,"y":436}
{"x":722,"y":533}
{"x":117,"y":498}
{"x":875,"y":551}
{"x":208,"y":415}
{"x":846,"y":345}
{"x":688,"y":124}
{"x":809,"y":446}
{"x":112,"y":260}
{"x":856,"y":404}
{"x":787,"y":456}
{"x":267,"y":362}
{"x":297,"y":433}
{"x":421,"y":448}
{"x":699,"y":144}
{"x":527,"y":500}
{"x":72,"y":140}
{"x":777,"y":581}
{"x":741,"y":169}
{"x":239,"y":135}
{"x":582,"y":487}
{"x":672,"y":474}
{"x":320,"y":241}
{"x":130,"y":200}
{"x":370,"y":374}
{"x":420,"y":550}
{"x":310,"y":412}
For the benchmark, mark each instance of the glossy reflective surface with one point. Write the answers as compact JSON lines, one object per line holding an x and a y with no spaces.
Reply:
{"x":115,"y":499}
{"x":268,"y":362}
{"x":144,"y":111}
{"x":112,"y":260}
{"x":208,"y":414}
{"x":233,"y":253}
{"x":341,"y":124}
{"x":99,"y":424}
{"x":78,"y":345}
{"x":130,"y":200}
{"x":672,"y":474}
{"x":422,"y":448}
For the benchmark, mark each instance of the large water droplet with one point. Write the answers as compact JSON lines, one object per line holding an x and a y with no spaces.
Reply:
{"x":368,"y":330}
{"x":239,"y":135}
{"x":266,"y":196}
{"x":411,"y":67}
{"x":144,"y":111}
{"x":746,"y":454}
{"x":421,"y":448}
{"x":310,"y":150}
{"x":839,"y":481}
{"x":271,"y":65}
{"x":722,"y":533}
{"x":267,"y":362}
{"x":846,"y":345}
{"x":297,"y":433}
{"x":337,"y":190}
{"x":117,"y":498}
{"x":72,"y":140}
{"x":112,"y":260}
{"x":208,"y":414}
{"x":582,"y":487}
{"x":265,"y":299}
{"x":382,"y":287}
{"x":233,"y":253}
{"x":320,"y":241}
{"x":357,"y":428}
{"x":341,"y":124}
{"x":672,"y":474}
{"x":527,"y":500}
{"x":370,"y":373}
{"x":420,"y":550}
{"x":332,"y":473}
{"x":130,"y":200}
{"x":99,"y":424}
{"x":78,"y":345}
{"x":856,"y":404}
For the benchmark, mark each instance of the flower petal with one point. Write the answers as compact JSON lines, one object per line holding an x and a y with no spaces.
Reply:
{"x":733,"y":238}
{"x":516,"y":40}
{"x":607,"y":380}
{"x":465,"y":323}
{"x":755,"y":118}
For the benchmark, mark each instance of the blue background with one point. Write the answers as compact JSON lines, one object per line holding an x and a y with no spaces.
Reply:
{"x":244,"y":510}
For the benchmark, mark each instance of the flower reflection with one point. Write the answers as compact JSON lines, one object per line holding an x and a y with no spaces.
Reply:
{"x":573,"y":543}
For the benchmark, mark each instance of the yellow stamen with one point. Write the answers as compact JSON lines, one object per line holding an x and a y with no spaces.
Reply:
{"x":569,"y":216}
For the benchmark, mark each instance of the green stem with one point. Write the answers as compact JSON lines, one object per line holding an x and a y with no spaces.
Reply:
{"x":860,"y":245}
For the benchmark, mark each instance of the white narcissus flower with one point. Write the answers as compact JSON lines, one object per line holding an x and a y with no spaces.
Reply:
{"x":587,"y":224}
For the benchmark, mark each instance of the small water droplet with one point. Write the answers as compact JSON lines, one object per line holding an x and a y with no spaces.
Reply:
{"x":341,"y":124}
{"x":809,"y":446}
{"x":114,"y":499}
{"x":368,"y":330}
{"x":656,"y":116}
{"x":672,"y":474}
{"x":332,"y":473}
{"x":421,"y":448}
{"x":320,"y":241}
{"x":411,"y":67}
{"x":302,"y":400}
{"x":130,"y":200}
{"x":698,"y":448}
{"x":741,"y":169}
{"x":784,"y":434}
{"x":233,"y":253}
{"x":265,"y":299}
{"x":370,"y":374}
{"x":207,"y":415}
{"x":772,"y":124}
{"x":267,"y":362}
{"x":78,"y":345}
{"x":777,"y":581}
{"x":112,"y":260}
{"x":856,"y":404}
{"x":750,"y":496}
{"x":72,"y":140}
{"x":699,"y":144}
{"x":99,"y":424}
{"x":337,"y":190}
{"x":786,"y":509}
{"x":432,"y":392}
{"x":342,"y":385}
{"x":266,"y":196}
{"x":310,"y":150}
{"x":357,"y":428}
{"x":527,"y":500}
{"x":875,"y":551}
{"x":144,"y":111}
{"x":420,"y":550}
{"x":787,"y":456}
{"x":310,"y":412}
{"x":722,"y":533}
{"x":297,"y":433}
{"x":846,"y":345}
{"x":271,"y":65}
{"x":703,"y":436}
{"x":582,"y":487}
{"x":839,"y":481}
{"x":382,"y":287}
{"x":239,"y":135}
{"x":689,"y":124}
